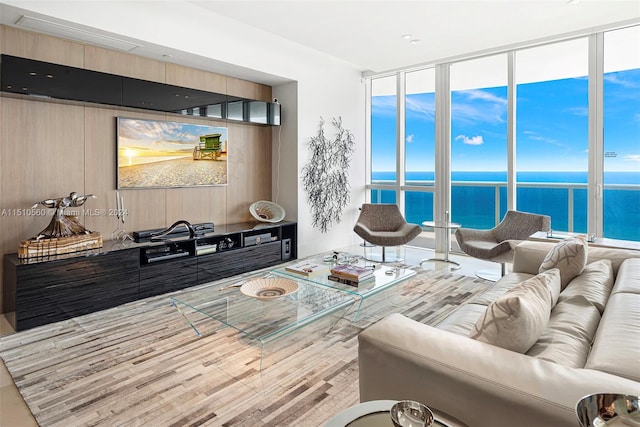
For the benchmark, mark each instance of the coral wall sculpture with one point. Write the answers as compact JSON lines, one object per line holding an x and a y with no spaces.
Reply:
{"x":326,"y":177}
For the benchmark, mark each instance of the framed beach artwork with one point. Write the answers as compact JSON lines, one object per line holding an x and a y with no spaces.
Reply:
{"x":161,"y":154}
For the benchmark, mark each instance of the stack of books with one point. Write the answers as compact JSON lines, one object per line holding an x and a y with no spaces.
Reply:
{"x":352,"y":275}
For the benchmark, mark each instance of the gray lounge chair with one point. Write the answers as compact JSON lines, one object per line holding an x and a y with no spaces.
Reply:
{"x":383,"y":225}
{"x":497,"y":244}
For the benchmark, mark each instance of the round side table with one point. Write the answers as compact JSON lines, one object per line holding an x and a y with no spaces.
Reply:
{"x":375,"y":413}
{"x":448,"y":226}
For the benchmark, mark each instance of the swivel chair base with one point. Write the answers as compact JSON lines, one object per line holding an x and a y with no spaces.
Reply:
{"x":492,"y":276}
{"x":383,"y":258}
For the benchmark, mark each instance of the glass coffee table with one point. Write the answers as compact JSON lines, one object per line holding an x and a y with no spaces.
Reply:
{"x":385,"y":276}
{"x":262,"y":320}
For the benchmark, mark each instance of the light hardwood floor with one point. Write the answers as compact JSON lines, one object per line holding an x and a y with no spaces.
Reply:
{"x":15,"y":413}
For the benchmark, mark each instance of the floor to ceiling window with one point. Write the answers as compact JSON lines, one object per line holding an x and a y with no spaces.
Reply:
{"x":621,"y":157}
{"x":383,"y":138}
{"x":479,"y":141}
{"x":552,"y":137}
{"x":419,"y":144}
{"x":569,"y":96}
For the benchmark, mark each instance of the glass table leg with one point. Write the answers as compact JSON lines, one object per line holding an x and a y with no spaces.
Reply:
{"x":186,"y":319}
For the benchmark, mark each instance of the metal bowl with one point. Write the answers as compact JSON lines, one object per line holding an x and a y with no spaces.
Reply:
{"x":608,"y":409}
{"x":408,"y":413}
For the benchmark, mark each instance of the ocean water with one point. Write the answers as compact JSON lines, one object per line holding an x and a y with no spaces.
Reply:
{"x":474,"y":206}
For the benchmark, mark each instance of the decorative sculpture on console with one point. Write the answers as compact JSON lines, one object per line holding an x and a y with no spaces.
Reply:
{"x":64,"y":234}
{"x":63,"y":225}
{"x":171,"y":229}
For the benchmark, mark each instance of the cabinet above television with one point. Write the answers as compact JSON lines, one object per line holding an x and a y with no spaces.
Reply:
{"x":47,"y":80}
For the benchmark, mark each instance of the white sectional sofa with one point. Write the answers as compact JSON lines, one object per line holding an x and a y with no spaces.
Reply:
{"x":590,"y":344}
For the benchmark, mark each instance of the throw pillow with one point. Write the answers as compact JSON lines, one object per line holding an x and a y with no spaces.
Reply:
{"x":516,"y":320}
{"x":568,"y":256}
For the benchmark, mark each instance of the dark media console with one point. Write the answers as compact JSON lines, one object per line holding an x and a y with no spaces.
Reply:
{"x":40,"y":291}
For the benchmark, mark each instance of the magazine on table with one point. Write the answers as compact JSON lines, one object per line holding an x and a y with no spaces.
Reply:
{"x":306,"y":268}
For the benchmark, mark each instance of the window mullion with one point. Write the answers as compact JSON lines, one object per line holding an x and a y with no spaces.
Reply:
{"x":596,"y":135}
{"x":511,"y":134}
{"x":400,"y":137}
{"x":442,"y":197}
{"x":367,"y":120}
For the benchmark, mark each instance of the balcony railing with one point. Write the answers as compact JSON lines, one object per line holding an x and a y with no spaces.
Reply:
{"x":477,"y":204}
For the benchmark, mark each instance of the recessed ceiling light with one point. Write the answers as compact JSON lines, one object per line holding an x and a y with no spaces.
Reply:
{"x":415,"y":41}
{"x":33,"y":73}
{"x":406,"y":36}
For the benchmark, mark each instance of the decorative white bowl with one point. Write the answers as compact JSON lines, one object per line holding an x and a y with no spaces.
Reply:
{"x":269,"y":288}
{"x":265,"y":211}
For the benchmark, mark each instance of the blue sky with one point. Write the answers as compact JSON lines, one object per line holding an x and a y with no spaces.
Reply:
{"x":551,"y":132}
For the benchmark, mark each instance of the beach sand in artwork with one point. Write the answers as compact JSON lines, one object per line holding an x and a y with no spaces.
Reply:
{"x":177,"y":172}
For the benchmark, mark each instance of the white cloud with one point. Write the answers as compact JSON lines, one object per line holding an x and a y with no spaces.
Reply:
{"x":474,"y":140}
{"x":579,"y":111}
{"x":410,"y":138}
{"x":485,"y":96}
{"x":534,"y":136}
{"x":421,"y":107}
{"x":479,"y":106}
{"x":383,"y":106}
{"x":615,"y":79}
{"x":632,"y":157}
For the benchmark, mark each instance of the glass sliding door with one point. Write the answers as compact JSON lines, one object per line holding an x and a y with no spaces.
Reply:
{"x":419,"y":144}
{"x":552,"y":132}
{"x":383,"y":139}
{"x":479,"y":141}
{"x":621,"y":157}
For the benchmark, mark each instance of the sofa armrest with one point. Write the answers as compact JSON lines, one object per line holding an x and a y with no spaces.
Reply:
{"x":480,"y":384}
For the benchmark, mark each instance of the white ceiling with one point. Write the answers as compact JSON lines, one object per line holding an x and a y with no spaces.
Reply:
{"x":368,"y":33}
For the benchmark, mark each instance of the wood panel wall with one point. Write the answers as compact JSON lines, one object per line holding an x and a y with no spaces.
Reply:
{"x":48,"y":149}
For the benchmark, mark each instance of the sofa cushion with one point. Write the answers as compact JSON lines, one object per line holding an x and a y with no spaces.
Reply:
{"x":616,"y":347}
{"x":500,"y":288}
{"x":567,"y":338}
{"x":594,"y":284}
{"x":628,"y":278}
{"x":462,"y":320}
{"x":616,"y":256}
{"x":569,"y":256}
{"x":516,"y":319}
